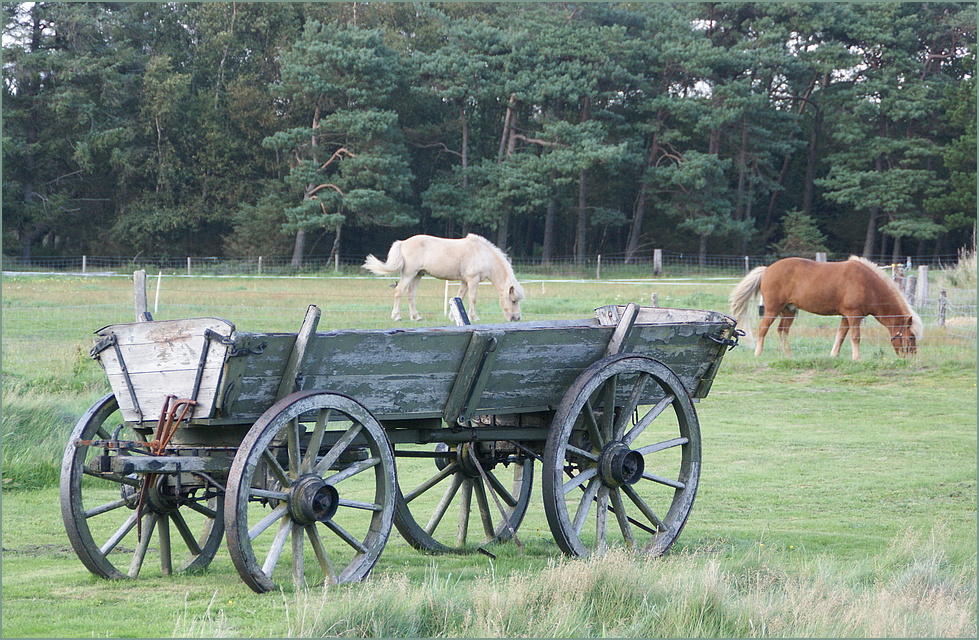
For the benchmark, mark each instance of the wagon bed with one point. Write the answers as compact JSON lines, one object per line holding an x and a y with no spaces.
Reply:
{"x":271,"y":427}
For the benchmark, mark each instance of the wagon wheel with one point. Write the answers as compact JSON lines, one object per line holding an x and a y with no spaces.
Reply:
{"x":100,"y":510}
{"x":626,"y":477}
{"x":443,"y":489}
{"x":315,"y":469}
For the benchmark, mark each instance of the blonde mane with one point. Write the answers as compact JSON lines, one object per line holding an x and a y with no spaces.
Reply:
{"x":504,"y":261}
{"x":916,"y":326}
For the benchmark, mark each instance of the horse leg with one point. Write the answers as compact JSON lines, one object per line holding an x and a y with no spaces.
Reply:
{"x":766,"y":322}
{"x":473,"y":285}
{"x":855,"y":336}
{"x":840,"y":336}
{"x":465,"y":289}
{"x":788,"y":317}
{"x":398,"y":289}
{"x":412,"y":286}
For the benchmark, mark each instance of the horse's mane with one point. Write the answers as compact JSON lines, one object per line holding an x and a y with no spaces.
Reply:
{"x":503,"y":259}
{"x":916,"y":326}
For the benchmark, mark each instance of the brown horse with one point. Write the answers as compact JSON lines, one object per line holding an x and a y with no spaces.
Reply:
{"x":469,"y":260}
{"x":854,"y":289}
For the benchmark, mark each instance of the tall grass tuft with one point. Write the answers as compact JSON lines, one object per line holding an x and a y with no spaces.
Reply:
{"x":907,"y":590}
{"x":35,"y":429}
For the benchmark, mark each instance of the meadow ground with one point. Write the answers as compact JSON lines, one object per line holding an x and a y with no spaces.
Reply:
{"x":836,"y":498}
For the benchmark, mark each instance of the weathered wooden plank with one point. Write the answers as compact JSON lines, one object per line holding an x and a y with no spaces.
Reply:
{"x":297,"y":357}
{"x":472,"y":375}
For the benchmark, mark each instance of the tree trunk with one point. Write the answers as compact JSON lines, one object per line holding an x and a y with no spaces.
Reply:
{"x":639,"y":209}
{"x":869,"y":237}
{"x":298,"y":249}
{"x":786,"y":162}
{"x":335,"y":250}
{"x":812,"y":158}
{"x":547,"y":250}
{"x":635,"y":231}
{"x":581,"y":235}
{"x":465,"y":145}
{"x":581,"y":232}
{"x":508,"y":143}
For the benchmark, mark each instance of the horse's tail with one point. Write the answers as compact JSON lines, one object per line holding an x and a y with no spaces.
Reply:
{"x":395,"y":262}
{"x":743,"y":296}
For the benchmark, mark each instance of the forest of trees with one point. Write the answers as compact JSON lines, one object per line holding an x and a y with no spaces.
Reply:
{"x":558,"y":130}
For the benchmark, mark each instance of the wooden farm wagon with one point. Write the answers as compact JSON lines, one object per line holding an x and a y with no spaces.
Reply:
{"x":304,"y":449}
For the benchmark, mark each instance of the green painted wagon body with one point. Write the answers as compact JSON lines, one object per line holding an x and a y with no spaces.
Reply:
{"x":219,"y":424}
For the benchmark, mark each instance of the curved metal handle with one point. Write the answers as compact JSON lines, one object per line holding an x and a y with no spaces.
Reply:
{"x":728,"y":342}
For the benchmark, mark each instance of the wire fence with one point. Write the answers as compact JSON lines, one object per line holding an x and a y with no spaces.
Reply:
{"x":656,"y":262}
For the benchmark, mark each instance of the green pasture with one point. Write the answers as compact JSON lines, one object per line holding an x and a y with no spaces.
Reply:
{"x":836,"y":498}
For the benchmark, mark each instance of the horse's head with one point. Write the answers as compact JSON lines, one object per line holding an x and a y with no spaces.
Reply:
{"x":904,"y":335}
{"x":510,"y":297}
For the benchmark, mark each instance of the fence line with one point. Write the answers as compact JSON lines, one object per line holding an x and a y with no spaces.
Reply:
{"x":660,"y":262}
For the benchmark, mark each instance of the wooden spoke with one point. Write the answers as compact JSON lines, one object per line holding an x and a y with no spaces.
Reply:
{"x":352,"y":470}
{"x":620,"y":515}
{"x":584,"y":505}
{"x":273,"y":465}
{"x":346,"y":537}
{"x":644,"y":508}
{"x":647,"y":419}
{"x":443,"y":504}
{"x":266,"y":522}
{"x":431,"y":482}
{"x":632,"y":403}
{"x":663,"y":446}
{"x":315,"y":440}
{"x":278,"y":543}
{"x":334,"y":453}
{"x":143,"y":545}
{"x":163,"y":539}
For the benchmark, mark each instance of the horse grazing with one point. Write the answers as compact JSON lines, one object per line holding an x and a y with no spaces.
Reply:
{"x":854,"y":289}
{"x":470,"y":260}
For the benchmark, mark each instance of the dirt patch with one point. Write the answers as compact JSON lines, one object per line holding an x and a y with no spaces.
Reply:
{"x":36,"y":550}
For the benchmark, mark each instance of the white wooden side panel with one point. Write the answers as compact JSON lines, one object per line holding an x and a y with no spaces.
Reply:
{"x":162,"y":359}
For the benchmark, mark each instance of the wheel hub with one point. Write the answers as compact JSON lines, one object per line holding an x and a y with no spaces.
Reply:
{"x":620,"y":465}
{"x":312,"y":500}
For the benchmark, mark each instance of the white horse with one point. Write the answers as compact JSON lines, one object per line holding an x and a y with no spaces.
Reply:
{"x":470,"y":260}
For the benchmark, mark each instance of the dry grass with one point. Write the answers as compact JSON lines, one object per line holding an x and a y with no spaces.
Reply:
{"x":909,"y":590}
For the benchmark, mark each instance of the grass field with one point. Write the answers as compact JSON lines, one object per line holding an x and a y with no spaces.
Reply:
{"x":836,"y":498}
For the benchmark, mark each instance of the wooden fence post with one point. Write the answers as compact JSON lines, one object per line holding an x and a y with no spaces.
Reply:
{"x":820,"y":256}
{"x":84,"y":263}
{"x":909,"y":288}
{"x":188,"y":265}
{"x":657,"y":261}
{"x":598,"y":268}
{"x":942,"y":307}
{"x":921,"y":290}
{"x":139,"y":296}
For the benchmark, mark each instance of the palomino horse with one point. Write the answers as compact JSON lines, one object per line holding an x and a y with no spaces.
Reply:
{"x":470,"y":260}
{"x":854,"y":289}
